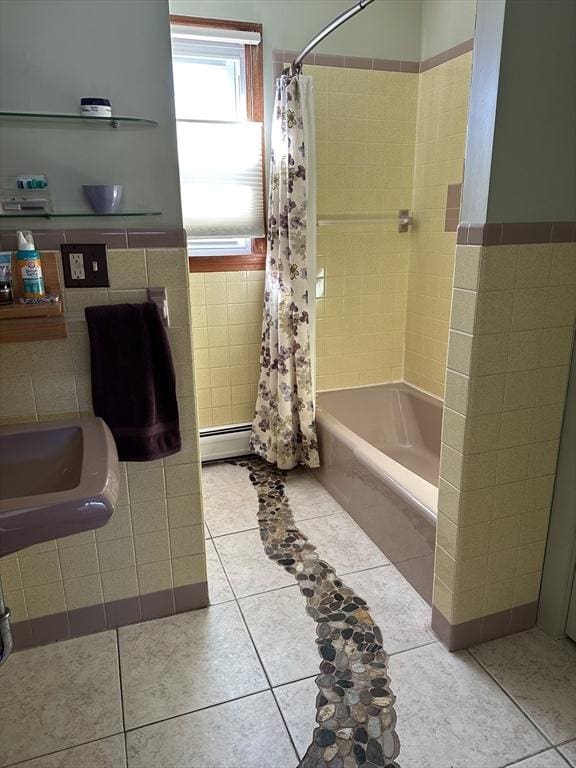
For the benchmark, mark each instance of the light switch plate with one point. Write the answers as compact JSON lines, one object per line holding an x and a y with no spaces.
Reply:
{"x":85,"y":265}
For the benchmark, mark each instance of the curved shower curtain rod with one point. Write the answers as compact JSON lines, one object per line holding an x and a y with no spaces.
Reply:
{"x":296,"y":65}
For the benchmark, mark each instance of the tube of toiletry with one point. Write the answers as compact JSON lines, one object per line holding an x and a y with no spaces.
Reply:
{"x":30,"y":266}
{"x":5,"y":277}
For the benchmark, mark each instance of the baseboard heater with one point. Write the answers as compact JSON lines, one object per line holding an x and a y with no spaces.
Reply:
{"x":224,"y":442}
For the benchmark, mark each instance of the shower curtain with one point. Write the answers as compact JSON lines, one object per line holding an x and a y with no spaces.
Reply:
{"x":283,"y":430}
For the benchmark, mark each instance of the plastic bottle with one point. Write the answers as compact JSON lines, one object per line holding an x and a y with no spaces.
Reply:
{"x":30,"y":266}
{"x":5,"y":277}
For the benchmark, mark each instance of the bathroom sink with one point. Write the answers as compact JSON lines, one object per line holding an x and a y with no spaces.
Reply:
{"x":56,"y":479}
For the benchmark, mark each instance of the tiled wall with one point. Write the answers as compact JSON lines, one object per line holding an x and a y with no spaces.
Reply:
{"x":511,"y":337}
{"x":365,"y":130}
{"x":227,"y":324}
{"x":149,"y":559}
{"x":440,"y":144}
{"x":369,"y":125}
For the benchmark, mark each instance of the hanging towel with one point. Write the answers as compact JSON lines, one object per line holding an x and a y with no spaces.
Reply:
{"x":133,"y":382}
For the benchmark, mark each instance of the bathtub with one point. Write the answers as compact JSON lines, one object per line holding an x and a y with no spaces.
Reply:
{"x":380,"y":455}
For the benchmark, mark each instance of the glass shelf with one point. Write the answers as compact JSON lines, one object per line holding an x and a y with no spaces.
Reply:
{"x":75,"y":214}
{"x":115,"y":121}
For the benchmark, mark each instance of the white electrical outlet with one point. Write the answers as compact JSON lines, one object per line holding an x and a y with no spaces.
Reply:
{"x":77,"y":266}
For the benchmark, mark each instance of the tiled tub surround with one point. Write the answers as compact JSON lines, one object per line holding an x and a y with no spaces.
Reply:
{"x":355,"y":707}
{"x":372,"y":116}
{"x":380,"y":452}
{"x":365,"y":131}
{"x":440,"y":143}
{"x":226,"y":329}
{"x":512,"y":329}
{"x":149,"y":560}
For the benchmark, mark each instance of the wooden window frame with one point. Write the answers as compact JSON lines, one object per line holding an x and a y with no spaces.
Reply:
{"x":256,"y":259}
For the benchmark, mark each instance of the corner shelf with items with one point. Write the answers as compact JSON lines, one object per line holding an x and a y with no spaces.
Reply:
{"x":75,"y":121}
{"x":34,"y":322}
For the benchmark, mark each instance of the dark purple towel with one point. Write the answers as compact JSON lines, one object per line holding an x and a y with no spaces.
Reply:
{"x":133,"y":382}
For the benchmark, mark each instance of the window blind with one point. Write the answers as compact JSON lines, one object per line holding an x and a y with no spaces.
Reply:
{"x":219,"y":151}
{"x":221,"y":178}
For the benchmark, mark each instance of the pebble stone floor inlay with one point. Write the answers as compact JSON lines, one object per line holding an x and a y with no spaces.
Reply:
{"x":355,"y":705}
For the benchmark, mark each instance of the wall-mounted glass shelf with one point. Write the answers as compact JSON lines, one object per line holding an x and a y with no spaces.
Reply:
{"x":115,"y":121}
{"x":74,"y":214}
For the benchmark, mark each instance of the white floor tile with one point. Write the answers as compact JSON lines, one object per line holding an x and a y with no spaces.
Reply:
{"x":540,"y":675}
{"x":297,"y":702}
{"x":218,"y":586}
{"x":308,"y":498}
{"x":287,"y":654}
{"x":105,"y":753}
{"x":342,"y":543}
{"x":58,"y":696}
{"x":186,"y":662}
{"x":248,"y":733}
{"x":451,"y":714}
{"x":247,"y":566}
{"x":399,"y":611}
{"x":229,"y":499}
{"x":548,"y":759}
{"x":569,"y":752}
{"x":230,"y":510}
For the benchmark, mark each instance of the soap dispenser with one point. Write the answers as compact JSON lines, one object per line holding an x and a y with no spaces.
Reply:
{"x":30,"y":266}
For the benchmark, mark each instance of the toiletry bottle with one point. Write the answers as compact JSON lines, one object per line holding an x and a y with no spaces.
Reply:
{"x":5,"y":277}
{"x":30,"y":267}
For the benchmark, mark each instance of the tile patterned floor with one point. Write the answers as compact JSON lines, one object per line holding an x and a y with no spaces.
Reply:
{"x":228,"y":687}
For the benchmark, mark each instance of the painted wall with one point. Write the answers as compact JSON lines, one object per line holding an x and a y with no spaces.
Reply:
{"x":53,"y":52}
{"x":151,"y":553}
{"x":440,"y":144}
{"x":387,"y":29}
{"x":537,"y":90}
{"x":445,"y":23}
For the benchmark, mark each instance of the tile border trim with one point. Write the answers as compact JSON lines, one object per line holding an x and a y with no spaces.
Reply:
{"x":280,"y":57}
{"x":456,"y":637}
{"x":516,"y":233}
{"x":109,"y":615}
{"x":447,"y":55}
{"x":51,"y":239}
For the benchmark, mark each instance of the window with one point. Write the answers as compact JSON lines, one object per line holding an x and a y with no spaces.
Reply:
{"x":218,"y":94}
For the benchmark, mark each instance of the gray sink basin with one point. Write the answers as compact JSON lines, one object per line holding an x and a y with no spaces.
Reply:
{"x":56,"y":479}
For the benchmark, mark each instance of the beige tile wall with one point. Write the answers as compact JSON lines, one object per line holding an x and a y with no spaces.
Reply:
{"x":383,"y":298}
{"x":510,"y":343}
{"x":440,"y":144}
{"x":365,"y":130}
{"x":155,"y":539}
{"x":226,"y":326}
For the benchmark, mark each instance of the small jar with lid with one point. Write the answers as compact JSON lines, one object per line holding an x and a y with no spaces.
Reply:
{"x":93,"y":107}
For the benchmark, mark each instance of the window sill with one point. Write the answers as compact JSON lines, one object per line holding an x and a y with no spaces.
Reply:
{"x":235,"y":263}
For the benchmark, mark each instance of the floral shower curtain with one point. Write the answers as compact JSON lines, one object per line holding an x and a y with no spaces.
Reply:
{"x":283,"y":430}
